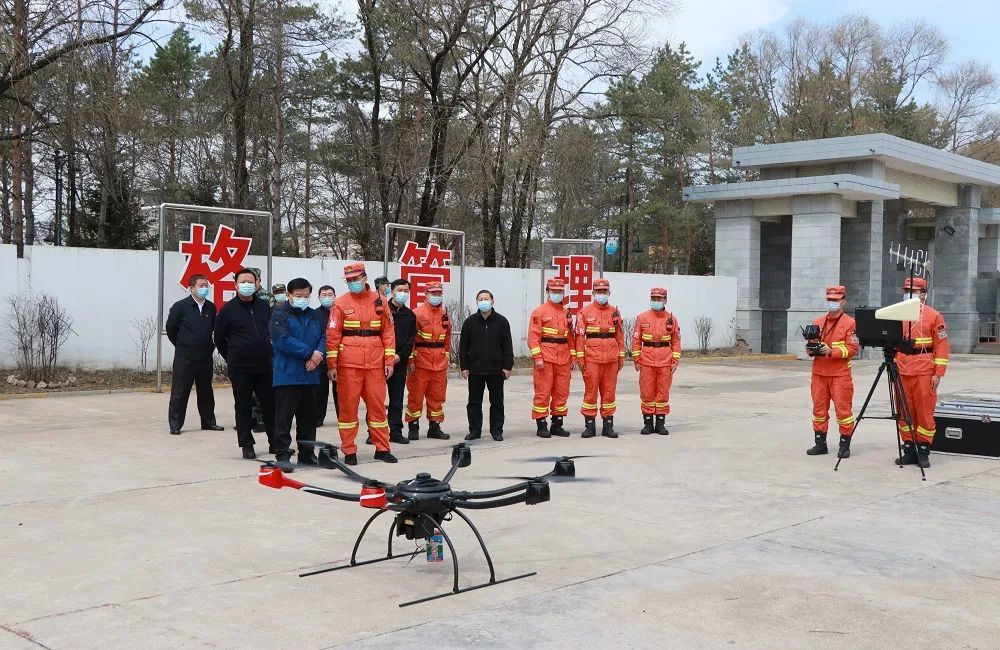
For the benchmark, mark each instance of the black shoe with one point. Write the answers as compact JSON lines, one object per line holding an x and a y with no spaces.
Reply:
{"x":435,"y":432}
{"x":350,"y":459}
{"x":473,"y":436}
{"x":924,"y":455}
{"x":368,"y":440}
{"x":845,"y":447}
{"x":557,"y":428}
{"x":248,"y":452}
{"x":608,"y":430}
{"x":589,"y":428}
{"x":272,"y":450}
{"x":820,"y":447}
{"x":213,"y":427}
{"x":647,"y":425}
{"x":398,"y":438}
{"x":308,"y":459}
{"x":543,"y":428}
{"x":385,"y":457}
{"x":259,"y":428}
{"x":175,"y":432}
{"x":909,"y":455}
{"x":660,"y":427}
{"x":284,"y":456}
{"x":319,"y":424}
{"x":413,"y":430}
{"x":497,"y":436}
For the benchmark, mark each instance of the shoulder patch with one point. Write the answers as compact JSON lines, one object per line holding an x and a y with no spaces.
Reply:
{"x":348,"y":312}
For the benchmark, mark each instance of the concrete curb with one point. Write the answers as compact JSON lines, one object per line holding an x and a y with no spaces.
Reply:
{"x":93,"y":391}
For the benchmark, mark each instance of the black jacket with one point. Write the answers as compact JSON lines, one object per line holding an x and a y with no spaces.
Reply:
{"x":405,"y":322}
{"x":322,"y":314}
{"x":241,"y":334}
{"x":485,"y":347}
{"x":190,"y":330}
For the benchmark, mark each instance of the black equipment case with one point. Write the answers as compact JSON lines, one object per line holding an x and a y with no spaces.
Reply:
{"x":968,"y":427}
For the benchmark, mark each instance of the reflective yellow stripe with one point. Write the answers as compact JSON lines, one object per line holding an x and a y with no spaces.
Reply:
{"x":559,"y":409}
{"x":352,"y":323}
{"x":588,"y":405}
{"x":677,"y":355}
{"x":924,"y":341}
{"x":375,"y":323}
{"x":621,"y":354}
{"x":539,"y":409}
{"x":926,"y":432}
{"x":413,"y":414}
{"x":347,"y":425}
{"x":609,"y":406}
{"x":549,"y":330}
{"x":647,"y":337}
{"x":592,"y":329}
{"x":816,"y":419}
{"x":660,"y":404}
{"x":379,"y":425}
{"x":331,"y":355}
{"x":535,"y":351}
{"x":635,"y":354}
{"x":390,"y":352}
{"x":665,"y":338}
{"x":847,"y":420}
{"x":441,"y":336}
{"x":436,"y":413}
{"x":424,"y":335}
{"x":941,"y":362}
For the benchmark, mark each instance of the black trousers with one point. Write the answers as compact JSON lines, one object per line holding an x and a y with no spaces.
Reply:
{"x":246,"y":385}
{"x":185,"y":373}
{"x":474,"y":409}
{"x":323,"y":397}
{"x":396,"y":384}
{"x":298,"y":402}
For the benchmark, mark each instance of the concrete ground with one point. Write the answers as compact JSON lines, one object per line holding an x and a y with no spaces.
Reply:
{"x":115,"y":534}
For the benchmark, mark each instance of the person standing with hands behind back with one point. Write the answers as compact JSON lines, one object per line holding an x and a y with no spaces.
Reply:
{"x":486,"y":356}
{"x":326,"y":297}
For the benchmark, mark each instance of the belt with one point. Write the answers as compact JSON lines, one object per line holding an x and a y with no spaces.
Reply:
{"x":427,"y":344}
{"x":362,"y":333}
{"x":553,"y":339}
{"x":656,"y":344}
{"x":918,"y":352}
{"x":600,"y":335}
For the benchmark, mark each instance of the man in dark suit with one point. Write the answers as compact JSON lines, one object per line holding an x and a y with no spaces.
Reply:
{"x":405,"y":324}
{"x":189,"y":327}
{"x":327,"y":295}
{"x":486,"y":356}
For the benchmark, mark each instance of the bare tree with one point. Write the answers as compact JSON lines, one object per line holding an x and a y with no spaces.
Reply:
{"x":142,"y":335}
{"x":970,"y":95}
{"x":703,"y":326}
{"x":37,"y":328}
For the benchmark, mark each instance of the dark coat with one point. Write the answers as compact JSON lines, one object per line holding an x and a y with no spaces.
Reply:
{"x":485,"y":346}
{"x":405,"y":325}
{"x":295,"y":335}
{"x":241,"y":334}
{"x":190,"y":330}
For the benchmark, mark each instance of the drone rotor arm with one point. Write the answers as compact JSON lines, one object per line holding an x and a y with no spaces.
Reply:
{"x":492,"y":494}
{"x":495,"y":503}
{"x":333,"y":494}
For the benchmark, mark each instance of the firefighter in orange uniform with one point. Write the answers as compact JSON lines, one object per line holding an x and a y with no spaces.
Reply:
{"x":656,"y":351}
{"x":831,"y":373}
{"x":921,"y":371}
{"x":431,"y":352}
{"x":360,"y":343}
{"x":600,"y":354}
{"x":550,"y":340}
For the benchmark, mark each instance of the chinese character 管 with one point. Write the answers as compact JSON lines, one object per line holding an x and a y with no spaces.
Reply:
{"x":577,"y":271}
{"x":422,"y":265}
{"x":216,"y":261}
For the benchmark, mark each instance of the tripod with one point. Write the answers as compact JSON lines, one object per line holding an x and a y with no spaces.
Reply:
{"x":899,"y":407}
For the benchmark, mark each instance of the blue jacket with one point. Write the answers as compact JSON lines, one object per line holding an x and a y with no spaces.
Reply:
{"x":295,"y":335}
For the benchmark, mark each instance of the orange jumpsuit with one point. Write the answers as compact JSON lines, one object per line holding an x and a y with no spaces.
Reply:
{"x":831,"y":376}
{"x":431,"y":352}
{"x":550,"y":338}
{"x":656,"y":347}
{"x":930,"y":336}
{"x":600,"y":346}
{"x":360,"y":343}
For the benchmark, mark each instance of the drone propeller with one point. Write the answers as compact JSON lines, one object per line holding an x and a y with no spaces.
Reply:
{"x":551,"y":478}
{"x":279,"y":464}
{"x":556,"y":459}
{"x":317,"y":443}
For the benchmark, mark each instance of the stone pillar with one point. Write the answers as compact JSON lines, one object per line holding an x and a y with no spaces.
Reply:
{"x":815,"y":261}
{"x":953,"y":274}
{"x":861,"y":255}
{"x":737,"y":255}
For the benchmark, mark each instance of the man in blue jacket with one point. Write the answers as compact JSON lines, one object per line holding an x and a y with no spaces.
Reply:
{"x":299,"y":343}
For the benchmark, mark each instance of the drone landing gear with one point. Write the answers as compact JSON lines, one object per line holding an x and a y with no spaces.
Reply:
{"x":451,"y":547}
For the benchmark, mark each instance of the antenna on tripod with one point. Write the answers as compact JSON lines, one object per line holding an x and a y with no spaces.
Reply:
{"x":913,"y":260}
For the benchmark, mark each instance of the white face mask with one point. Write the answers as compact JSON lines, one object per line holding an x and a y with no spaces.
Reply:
{"x":907,"y":295}
{"x":832,"y":305}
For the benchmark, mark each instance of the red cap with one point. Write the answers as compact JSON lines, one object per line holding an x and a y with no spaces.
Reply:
{"x":658,"y":292}
{"x":601,"y":283}
{"x":353,"y":270}
{"x":433,"y":286}
{"x":556,"y":284}
{"x":915,"y":284}
{"x":838,"y":292}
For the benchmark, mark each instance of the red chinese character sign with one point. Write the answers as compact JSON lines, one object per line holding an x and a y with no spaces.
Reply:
{"x":577,"y":271}
{"x":419,"y":265}
{"x":217,"y":261}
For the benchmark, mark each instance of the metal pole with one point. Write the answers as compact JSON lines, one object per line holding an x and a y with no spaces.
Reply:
{"x":461,"y":275}
{"x":385,"y":252}
{"x":557,"y":240}
{"x":159,"y":306}
{"x":270,"y":249}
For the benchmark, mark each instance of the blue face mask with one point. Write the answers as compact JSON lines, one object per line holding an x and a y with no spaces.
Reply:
{"x":280,"y":297}
{"x":601,"y":298}
{"x":246,"y":288}
{"x":326,"y":301}
{"x":832,"y":305}
{"x":403,"y":298}
{"x":556,"y":297}
{"x":434,"y":300}
{"x":485,"y":305}
{"x":300,"y":303}
{"x":657,"y":305}
{"x":202,"y":292}
{"x":387,"y":291}
{"x":356,"y":286}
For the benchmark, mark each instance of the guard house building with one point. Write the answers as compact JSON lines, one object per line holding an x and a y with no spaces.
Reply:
{"x":824,"y":212}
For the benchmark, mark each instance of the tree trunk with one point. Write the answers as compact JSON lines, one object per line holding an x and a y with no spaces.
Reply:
{"x":240,"y":90}
{"x":20,"y":42}
{"x":5,"y":195}
{"x":279,"y":127}
{"x":29,"y":189}
{"x":307,"y":197}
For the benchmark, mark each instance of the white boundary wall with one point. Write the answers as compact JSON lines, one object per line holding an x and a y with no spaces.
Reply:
{"x":104,"y":290}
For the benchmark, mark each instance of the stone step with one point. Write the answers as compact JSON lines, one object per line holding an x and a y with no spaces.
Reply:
{"x":986,"y":348}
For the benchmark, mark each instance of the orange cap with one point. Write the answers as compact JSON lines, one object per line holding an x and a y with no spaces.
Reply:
{"x":556,"y":284}
{"x":601,"y":283}
{"x":658,"y":292}
{"x":353,"y":270}
{"x":433,"y":286}
{"x":838,"y":292}
{"x":915,"y":284}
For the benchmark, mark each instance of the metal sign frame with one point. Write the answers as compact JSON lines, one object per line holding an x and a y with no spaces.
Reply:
{"x":162,"y":208}
{"x":389,"y":227}
{"x":556,"y":240}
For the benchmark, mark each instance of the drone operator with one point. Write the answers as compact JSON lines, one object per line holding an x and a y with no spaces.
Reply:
{"x":921,"y":370}
{"x":832,"y":345}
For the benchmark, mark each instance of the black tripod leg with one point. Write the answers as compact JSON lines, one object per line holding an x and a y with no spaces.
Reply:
{"x":864,"y":407}
{"x":451,"y":547}
{"x":905,"y":413}
{"x":482,"y":545}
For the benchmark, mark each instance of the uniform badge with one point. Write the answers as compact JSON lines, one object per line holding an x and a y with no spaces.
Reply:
{"x":592,"y":319}
{"x":942,"y":332}
{"x":645,"y":326}
{"x":348,"y":312}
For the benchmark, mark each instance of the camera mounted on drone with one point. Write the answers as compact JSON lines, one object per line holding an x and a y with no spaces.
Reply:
{"x":812,"y":334}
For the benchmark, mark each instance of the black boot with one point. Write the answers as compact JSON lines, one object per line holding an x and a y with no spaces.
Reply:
{"x":398,"y":438}
{"x":557,"y":427}
{"x":820,"y":446}
{"x":909,"y":455}
{"x":845,"y":447}
{"x":647,"y":425}
{"x":413,"y":432}
{"x":350,"y":459}
{"x":249,"y":453}
{"x":434,"y":431}
{"x":543,"y":428}
{"x":924,"y":455}
{"x":589,"y":428}
{"x":385,"y":457}
{"x":608,"y":431}
{"x":660,"y":426}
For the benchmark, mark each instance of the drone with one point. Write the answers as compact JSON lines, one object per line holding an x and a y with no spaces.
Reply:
{"x":422,"y":504}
